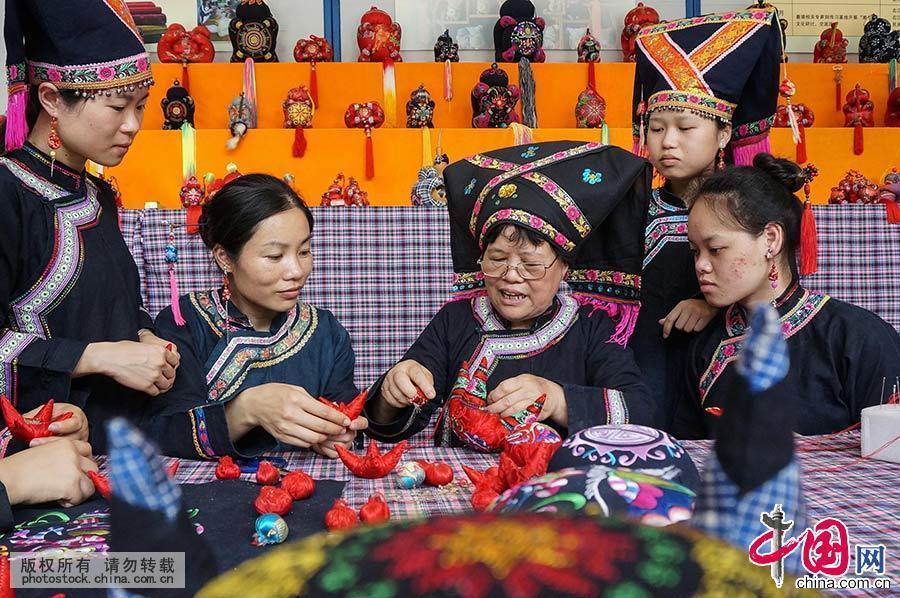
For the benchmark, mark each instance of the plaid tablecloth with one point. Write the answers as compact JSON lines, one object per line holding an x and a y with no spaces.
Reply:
{"x":385,"y":272}
{"x":836,"y":481}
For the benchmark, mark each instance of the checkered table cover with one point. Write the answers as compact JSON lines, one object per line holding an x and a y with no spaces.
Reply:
{"x":385,"y":271}
{"x":836,"y":483}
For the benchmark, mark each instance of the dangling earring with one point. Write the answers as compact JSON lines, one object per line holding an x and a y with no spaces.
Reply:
{"x":773,"y":276}
{"x":226,"y":296}
{"x":720,"y":165}
{"x":53,"y":141}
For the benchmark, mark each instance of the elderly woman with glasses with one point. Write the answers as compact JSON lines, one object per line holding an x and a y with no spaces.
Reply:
{"x":523,"y":220}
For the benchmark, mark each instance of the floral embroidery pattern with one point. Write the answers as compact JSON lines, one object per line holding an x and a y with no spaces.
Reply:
{"x":591,"y":177}
{"x":694,"y":101}
{"x":603,"y":279}
{"x":762,"y":15}
{"x":667,"y":224}
{"x":508,"y":190}
{"x":470,"y":187}
{"x":755,"y":128}
{"x":736,"y":330}
{"x":530,"y":220}
{"x":530,"y":152}
{"x":519,"y":170}
{"x":130,"y":70}
{"x":563,"y":200}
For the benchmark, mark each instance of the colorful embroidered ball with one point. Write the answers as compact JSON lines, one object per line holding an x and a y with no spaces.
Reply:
{"x":601,"y":491}
{"x":629,"y":447}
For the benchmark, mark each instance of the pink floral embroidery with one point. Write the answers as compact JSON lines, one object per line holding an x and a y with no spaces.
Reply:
{"x":560,"y":239}
{"x":106,"y":73}
{"x":728,"y":350}
{"x":141,"y":64}
{"x":591,"y":275}
{"x":573,"y":212}
{"x":13,"y":72}
{"x":618,"y":277}
{"x":503,"y":214}
{"x":550,"y":187}
{"x":54,"y":75}
{"x":536,"y":222}
{"x":681,"y":228}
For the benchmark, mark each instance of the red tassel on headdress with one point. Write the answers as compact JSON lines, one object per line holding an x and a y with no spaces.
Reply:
{"x":801,"y":145}
{"x":809,"y":238}
{"x":299,"y":147}
{"x":314,"y":85}
{"x":858,"y":139}
{"x":370,"y":155}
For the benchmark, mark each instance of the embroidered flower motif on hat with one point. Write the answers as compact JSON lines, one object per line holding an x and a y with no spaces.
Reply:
{"x":508,"y":190}
{"x":470,"y":187}
{"x":592,"y":177}
{"x":531,"y":152}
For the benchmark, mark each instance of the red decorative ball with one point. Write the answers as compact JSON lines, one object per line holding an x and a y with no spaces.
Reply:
{"x":340,"y":516}
{"x":227,"y":469}
{"x":299,"y":485}
{"x":273,"y":500}
{"x":375,"y":510}
{"x":267,"y":474}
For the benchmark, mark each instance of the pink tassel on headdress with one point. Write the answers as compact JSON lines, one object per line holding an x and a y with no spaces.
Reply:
{"x":625,"y":315}
{"x":16,"y":124}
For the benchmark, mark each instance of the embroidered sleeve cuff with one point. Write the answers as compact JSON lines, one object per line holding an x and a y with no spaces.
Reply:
{"x":589,"y":406}
{"x":209,"y":433}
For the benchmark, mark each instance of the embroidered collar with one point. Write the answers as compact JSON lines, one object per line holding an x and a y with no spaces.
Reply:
{"x":39,"y":163}
{"x":232,"y":315}
{"x":491,"y":321}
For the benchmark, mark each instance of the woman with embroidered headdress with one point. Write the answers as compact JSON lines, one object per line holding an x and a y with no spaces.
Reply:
{"x":523,"y":220}
{"x":702,"y":86}
{"x":745,"y":235}
{"x":72,"y":327}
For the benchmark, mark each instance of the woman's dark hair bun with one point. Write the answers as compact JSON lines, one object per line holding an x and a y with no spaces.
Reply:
{"x":785,"y":172}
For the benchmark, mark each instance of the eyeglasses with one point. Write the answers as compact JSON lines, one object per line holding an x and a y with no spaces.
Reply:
{"x":527,"y":270}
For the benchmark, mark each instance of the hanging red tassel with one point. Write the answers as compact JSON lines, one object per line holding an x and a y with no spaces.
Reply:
{"x":809,"y":242}
{"x":592,"y":76}
{"x":857,"y":139}
{"x":299,"y":147}
{"x":185,"y":81}
{"x":801,"y":145}
{"x":314,"y":85}
{"x":370,"y":155}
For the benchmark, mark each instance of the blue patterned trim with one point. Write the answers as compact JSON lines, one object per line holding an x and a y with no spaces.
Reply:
{"x":666,"y":224}
{"x":202,"y":444}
